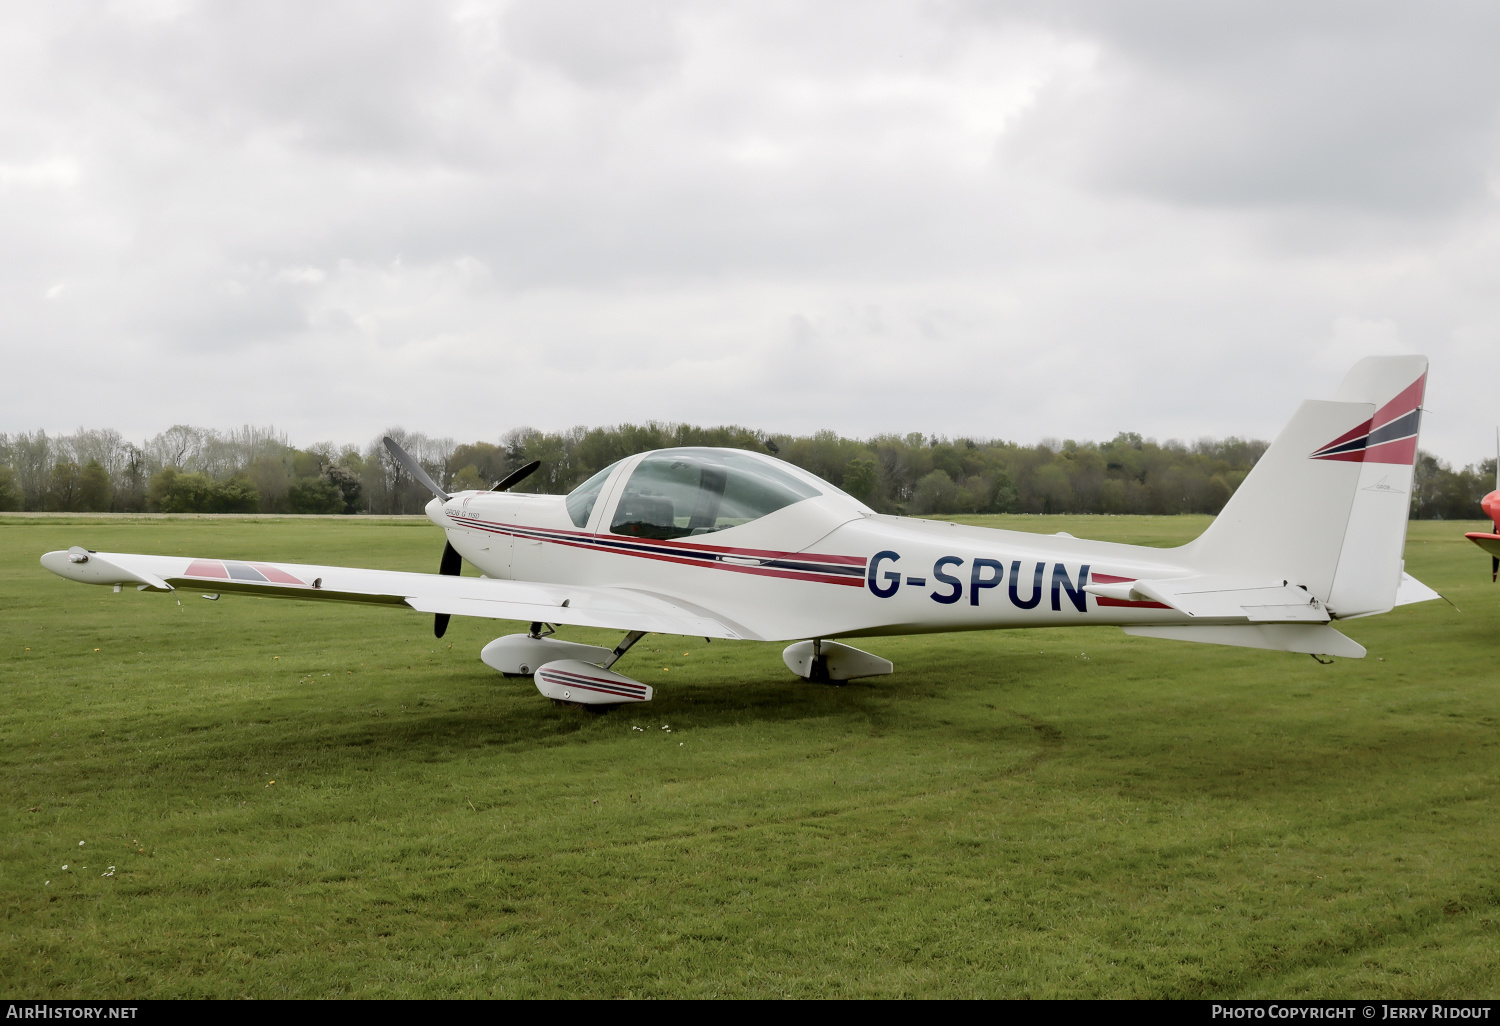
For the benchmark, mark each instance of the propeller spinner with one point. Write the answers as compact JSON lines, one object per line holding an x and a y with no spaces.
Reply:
{"x":452,"y":563}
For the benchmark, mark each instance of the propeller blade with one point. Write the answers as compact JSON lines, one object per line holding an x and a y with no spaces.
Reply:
{"x":414,"y":468}
{"x":1494,"y":569}
{"x":515,"y":477}
{"x":452,"y":563}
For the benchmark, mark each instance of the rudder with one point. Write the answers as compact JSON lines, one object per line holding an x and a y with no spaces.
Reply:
{"x":1369,"y":567}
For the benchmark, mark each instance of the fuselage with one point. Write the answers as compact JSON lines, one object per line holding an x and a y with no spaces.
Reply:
{"x":822,"y":566}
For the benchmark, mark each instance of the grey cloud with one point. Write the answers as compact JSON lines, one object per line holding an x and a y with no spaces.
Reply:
{"x":597,"y":43}
{"x":993,"y":219}
{"x":341,"y":75}
{"x":1383,"y":108}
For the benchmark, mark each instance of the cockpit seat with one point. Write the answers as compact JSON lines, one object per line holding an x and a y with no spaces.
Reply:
{"x":646,"y":516}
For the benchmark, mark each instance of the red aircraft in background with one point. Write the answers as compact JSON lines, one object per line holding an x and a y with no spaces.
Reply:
{"x":1491,"y":506}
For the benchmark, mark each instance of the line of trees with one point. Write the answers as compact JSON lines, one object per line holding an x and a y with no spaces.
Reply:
{"x":1441,"y":493}
{"x":191,"y":469}
{"x":184,"y":469}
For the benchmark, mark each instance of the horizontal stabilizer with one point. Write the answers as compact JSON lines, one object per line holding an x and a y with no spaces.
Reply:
{"x":1222,"y":598}
{"x":1412,"y":590}
{"x":1314,"y":639}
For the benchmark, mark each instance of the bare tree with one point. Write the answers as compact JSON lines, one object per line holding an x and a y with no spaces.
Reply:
{"x":180,"y":446}
{"x":32,"y":458}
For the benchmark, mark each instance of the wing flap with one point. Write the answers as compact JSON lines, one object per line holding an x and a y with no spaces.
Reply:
{"x":592,"y":607}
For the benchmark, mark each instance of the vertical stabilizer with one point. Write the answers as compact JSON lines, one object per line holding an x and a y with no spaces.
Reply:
{"x":1326,"y":506}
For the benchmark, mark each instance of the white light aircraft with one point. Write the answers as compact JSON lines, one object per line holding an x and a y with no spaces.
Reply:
{"x":725,"y":543}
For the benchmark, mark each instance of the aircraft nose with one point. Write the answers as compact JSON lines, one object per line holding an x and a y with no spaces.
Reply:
{"x":1491,"y":506}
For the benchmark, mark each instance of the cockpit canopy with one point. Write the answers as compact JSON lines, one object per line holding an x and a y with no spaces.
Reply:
{"x":679,"y":493}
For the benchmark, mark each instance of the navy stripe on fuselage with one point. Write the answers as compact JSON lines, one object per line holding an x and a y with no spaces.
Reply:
{"x":842,"y":572}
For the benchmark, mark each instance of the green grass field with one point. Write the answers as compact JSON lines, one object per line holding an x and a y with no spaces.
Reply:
{"x":1028,"y":813}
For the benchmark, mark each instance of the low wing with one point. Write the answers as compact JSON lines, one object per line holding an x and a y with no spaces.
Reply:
{"x":614,"y":608}
{"x":1488,"y":542}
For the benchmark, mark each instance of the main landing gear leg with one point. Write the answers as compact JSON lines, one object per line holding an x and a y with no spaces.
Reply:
{"x":818,"y":669}
{"x":625,"y":645}
{"x":832,"y":662}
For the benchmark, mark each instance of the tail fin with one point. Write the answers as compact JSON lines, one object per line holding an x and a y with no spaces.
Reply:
{"x":1326,"y":506}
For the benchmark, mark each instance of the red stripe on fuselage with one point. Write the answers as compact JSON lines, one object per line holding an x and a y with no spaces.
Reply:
{"x":671,"y":543}
{"x":1112,"y":579}
{"x":693,"y":555}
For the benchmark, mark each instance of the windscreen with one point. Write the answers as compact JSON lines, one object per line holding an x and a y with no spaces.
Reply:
{"x":580,"y":500}
{"x":680,"y":493}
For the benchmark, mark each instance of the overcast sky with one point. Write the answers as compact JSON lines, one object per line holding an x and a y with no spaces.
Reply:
{"x":1012,"y":220}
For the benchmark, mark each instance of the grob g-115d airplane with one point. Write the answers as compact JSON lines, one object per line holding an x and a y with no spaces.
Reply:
{"x":725,"y":543}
